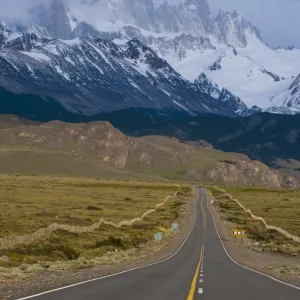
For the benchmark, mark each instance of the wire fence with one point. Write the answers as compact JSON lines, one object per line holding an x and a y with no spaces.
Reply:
{"x":11,"y":241}
{"x":269,"y":227}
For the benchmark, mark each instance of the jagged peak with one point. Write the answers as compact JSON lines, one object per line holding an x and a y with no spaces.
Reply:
{"x":3,"y":24}
{"x":4,"y":27}
{"x":137,"y":50}
{"x":295,"y":83}
{"x":166,"y":6}
{"x":198,"y":3}
{"x":230,"y":14}
{"x":39,"y":31}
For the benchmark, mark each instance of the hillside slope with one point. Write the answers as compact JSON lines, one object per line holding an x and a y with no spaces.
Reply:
{"x":99,"y":149}
{"x":273,"y":139}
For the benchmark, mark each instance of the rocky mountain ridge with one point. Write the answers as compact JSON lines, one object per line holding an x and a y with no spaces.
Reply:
{"x":192,"y":17}
{"x":89,"y":76}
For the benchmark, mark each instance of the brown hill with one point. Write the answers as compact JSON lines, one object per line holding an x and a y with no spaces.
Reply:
{"x":98,"y":149}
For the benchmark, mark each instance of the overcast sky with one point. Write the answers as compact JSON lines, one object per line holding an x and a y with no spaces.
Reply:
{"x":278,"y":20}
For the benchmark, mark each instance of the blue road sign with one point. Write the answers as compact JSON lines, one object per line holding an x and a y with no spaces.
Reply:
{"x":175,"y":226}
{"x":158,"y":236}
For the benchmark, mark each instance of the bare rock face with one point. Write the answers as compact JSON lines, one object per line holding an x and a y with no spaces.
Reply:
{"x":289,"y":182}
{"x":249,"y":173}
{"x":100,"y":141}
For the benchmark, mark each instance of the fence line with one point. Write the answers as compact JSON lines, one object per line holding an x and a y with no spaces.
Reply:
{"x":11,"y":241}
{"x":269,"y":227}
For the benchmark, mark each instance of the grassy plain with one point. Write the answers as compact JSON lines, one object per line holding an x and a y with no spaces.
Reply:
{"x":279,"y":207}
{"x":28,"y":203}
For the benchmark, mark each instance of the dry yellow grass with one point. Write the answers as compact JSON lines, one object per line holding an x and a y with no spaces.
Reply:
{"x":279,"y":207}
{"x":28,"y":203}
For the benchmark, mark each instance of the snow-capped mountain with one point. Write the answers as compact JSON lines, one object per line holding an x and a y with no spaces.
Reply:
{"x":191,"y":17}
{"x":254,"y":74}
{"x":89,"y":76}
{"x":290,"y":98}
{"x":222,"y":95}
{"x":222,"y":56}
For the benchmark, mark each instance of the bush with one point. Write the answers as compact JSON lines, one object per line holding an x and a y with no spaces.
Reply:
{"x":127,"y":199}
{"x":91,"y":207}
{"x":114,"y":242}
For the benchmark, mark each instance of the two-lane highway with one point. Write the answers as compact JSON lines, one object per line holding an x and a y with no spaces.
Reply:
{"x":200,"y":270}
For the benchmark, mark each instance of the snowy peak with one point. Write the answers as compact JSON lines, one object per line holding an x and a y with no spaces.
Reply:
{"x":39,"y":31}
{"x":199,"y":11}
{"x":198,"y":5}
{"x":167,"y":18}
{"x":295,"y":85}
{"x":5,"y":31}
{"x":211,"y":88}
{"x":143,"y":12}
{"x":235,"y":30}
{"x":294,"y":90}
{"x":191,"y":17}
{"x":139,"y":52}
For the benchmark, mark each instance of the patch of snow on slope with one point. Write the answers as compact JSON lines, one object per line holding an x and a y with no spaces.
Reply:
{"x":70,"y":60}
{"x":120,"y":42}
{"x":180,"y":105}
{"x":73,"y":42}
{"x":13,"y":36}
{"x":52,"y":48}
{"x":101,"y":54}
{"x":37,"y":55}
{"x":62,"y":73}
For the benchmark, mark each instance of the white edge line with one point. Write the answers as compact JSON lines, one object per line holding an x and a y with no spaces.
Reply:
{"x":122,"y":272}
{"x":249,"y":269}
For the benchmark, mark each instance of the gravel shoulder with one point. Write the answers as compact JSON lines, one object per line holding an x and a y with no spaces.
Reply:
{"x":134,"y":258}
{"x":281,"y":267}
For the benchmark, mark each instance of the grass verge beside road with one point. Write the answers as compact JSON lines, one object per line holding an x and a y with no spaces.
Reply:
{"x":28,"y":203}
{"x":279,"y":207}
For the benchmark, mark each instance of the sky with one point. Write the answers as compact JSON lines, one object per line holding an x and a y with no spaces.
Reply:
{"x":278,"y":20}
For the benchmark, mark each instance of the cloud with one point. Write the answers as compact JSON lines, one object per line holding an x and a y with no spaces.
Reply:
{"x":17,"y":11}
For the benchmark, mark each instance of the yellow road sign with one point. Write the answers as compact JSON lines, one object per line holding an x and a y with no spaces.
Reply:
{"x":237,"y":232}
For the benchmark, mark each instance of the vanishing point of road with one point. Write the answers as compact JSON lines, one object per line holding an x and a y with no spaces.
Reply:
{"x":200,"y":270}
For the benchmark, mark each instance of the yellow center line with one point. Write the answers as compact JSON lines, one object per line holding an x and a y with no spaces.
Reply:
{"x":193,"y":286}
{"x":194,"y":281}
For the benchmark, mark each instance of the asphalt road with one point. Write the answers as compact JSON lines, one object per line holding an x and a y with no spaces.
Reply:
{"x":200,"y":270}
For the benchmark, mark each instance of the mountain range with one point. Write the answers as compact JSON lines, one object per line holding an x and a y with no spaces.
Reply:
{"x":99,"y":56}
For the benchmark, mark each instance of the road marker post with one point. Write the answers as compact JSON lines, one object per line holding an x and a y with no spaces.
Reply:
{"x":240,"y":233}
